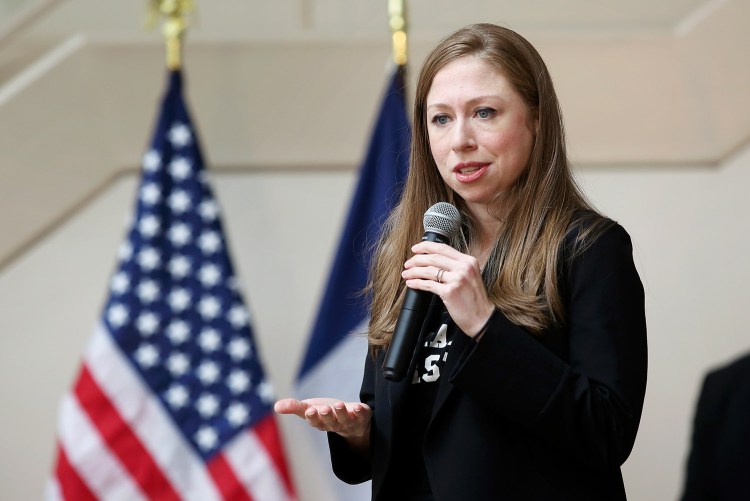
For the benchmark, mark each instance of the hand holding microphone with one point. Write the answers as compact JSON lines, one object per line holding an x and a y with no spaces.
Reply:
{"x":441,"y":223}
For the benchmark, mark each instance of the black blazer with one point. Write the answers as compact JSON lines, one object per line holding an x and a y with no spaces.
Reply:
{"x":718,"y":466}
{"x":523,"y":417}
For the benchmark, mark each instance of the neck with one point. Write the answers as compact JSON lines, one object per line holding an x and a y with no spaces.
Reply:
{"x":488,"y":225}
{"x":485,"y":238}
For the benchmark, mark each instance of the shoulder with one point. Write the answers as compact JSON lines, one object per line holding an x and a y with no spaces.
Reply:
{"x":590,"y":233}
{"x":723,"y":387}
{"x":730,"y":373}
{"x":598,"y":257}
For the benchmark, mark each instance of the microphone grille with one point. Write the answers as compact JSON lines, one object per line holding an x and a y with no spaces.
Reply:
{"x":442,"y":218}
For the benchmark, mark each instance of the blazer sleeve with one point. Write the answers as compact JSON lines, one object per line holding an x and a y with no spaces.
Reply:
{"x":347,"y":465}
{"x":588,"y":401}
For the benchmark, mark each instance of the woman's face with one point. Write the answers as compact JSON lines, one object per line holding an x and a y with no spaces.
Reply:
{"x":481,"y":131}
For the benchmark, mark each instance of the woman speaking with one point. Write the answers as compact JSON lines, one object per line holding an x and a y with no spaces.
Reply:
{"x":529,"y":374}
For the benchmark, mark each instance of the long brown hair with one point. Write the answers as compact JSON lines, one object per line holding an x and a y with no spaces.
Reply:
{"x":521,"y":274}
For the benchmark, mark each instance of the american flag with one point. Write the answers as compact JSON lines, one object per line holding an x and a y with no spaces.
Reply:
{"x":171,"y":401}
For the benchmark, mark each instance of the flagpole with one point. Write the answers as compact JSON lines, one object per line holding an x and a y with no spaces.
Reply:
{"x":175,"y":13}
{"x":397,"y":22}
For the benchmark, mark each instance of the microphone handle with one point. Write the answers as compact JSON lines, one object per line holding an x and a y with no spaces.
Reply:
{"x":408,"y":326}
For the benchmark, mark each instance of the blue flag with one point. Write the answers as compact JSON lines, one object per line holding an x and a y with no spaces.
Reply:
{"x":334,"y":360}
{"x":381,"y":179}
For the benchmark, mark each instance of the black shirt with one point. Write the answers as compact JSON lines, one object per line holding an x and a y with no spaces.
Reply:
{"x":430,"y":359}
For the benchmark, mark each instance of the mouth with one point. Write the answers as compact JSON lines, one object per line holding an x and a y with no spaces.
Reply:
{"x":470,"y":171}
{"x":468,"y":167}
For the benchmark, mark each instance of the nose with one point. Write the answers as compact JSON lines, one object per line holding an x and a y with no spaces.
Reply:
{"x":463,"y":136}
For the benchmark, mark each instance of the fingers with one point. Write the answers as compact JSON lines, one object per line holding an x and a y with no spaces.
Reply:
{"x":321,"y":417}
{"x":327,"y":414}
{"x":434,"y":248}
{"x":290,"y":406}
{"x":346,"y":420}
{"x":434,"y":269}
{"x":439,"y":256}
{"x":455,"y":277}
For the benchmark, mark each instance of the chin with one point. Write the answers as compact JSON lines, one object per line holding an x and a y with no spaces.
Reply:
{"x":476,"y":198}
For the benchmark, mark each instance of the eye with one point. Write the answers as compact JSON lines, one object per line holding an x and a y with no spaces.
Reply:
{"x":440,"y":119}
{"x":486,"y":113}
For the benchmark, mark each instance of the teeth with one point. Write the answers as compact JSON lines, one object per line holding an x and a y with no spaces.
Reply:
{"x":468,"y":169}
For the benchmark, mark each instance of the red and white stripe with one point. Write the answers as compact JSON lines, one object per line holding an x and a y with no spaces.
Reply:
{"x":116,"y":442}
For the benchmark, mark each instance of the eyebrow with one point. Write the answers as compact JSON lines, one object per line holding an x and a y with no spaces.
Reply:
{"x":469,"y":102}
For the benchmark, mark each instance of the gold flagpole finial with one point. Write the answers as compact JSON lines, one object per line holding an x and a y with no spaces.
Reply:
{"x":175,"y":14}
{"x":397,"y":21}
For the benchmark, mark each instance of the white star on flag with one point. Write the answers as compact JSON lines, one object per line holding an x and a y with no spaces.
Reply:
{"x":147,"y":355}
{"x":117,"y":315}
{"x":148,"y":291}
{"x":209,"y":210}
{"x":238,"y":316}
{"x":125,"y":251}
{"x":147,"y":323}
{"x":265,"y":391}
{"x":206,"y":438}
{"x":150,"y":194}
{"x":179,"y":169}
{"x":239,"y":348}
{"x":178,"y":331}
{"x":209,"y":275}
{"x":149,"y":226}
{"x":209,"y":307}
{"x":237,"y":414}
{"x":179,"y":135}
{"x":238,"y":381}
{"x":151,"y":161}
{"x":179,"y":299}
{"x":207,"y":405}
{"x":209,"y":340}
{"x":178,"y":363}
{"x":208,"y":372}
{"x":179,"y":202}
{"x":179,"y":234}
{"x":120,"y":283}
{"x":148,"y":258}
{"x":177,"y":396}
{"x":209,"y":242}
{"x":179,"y":266}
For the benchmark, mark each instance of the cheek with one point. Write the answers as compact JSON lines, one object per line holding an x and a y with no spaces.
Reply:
{"x":515,"y":142}
{"x":438,"y":149}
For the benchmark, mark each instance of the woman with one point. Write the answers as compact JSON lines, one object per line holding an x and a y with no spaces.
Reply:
{"x":530,"y":374}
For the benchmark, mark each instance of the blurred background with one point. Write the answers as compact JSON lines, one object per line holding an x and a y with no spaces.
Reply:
{"x":284,"y":95}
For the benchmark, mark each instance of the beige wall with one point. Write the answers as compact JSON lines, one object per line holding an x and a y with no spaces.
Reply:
{"x":80,"y":112}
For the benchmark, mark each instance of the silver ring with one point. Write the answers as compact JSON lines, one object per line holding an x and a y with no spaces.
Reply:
{"x":439,"y":275}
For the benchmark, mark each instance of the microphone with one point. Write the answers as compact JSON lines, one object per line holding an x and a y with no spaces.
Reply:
{"x":441,"y":223}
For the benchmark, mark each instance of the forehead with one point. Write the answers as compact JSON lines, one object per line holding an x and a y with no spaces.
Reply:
{"x":468,"y":77}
